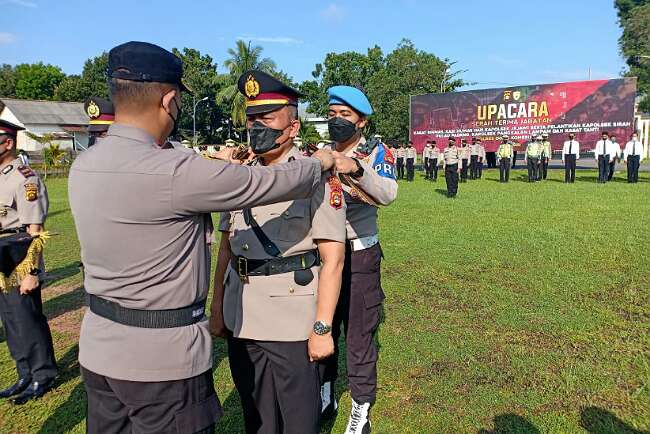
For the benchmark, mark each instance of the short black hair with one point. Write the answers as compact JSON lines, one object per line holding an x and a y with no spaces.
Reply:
{"x":130,"y":93}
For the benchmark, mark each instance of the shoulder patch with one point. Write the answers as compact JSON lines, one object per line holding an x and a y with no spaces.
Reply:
{"x":384,"y":163}
{"x":31,"y":192}
{"x":336,"y":192}
{"x":26,"y":171}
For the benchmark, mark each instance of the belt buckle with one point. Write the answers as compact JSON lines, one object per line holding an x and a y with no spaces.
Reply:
{"x":242,"y":267}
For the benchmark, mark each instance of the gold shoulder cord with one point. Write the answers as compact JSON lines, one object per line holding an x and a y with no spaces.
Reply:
{"x":30,"y":263}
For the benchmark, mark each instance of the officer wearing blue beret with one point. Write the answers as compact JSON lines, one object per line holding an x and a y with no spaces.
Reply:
{"x":371,"y":164}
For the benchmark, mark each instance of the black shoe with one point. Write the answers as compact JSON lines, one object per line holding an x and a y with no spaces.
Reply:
{"x":34,"y":391}
{"x":17,"y":388}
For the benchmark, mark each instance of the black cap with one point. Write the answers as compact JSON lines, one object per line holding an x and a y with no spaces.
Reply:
{"x":9,"y":129}
{"x":101,"y":114}
{"x":265,"y":93}
{"x":142,"y":61}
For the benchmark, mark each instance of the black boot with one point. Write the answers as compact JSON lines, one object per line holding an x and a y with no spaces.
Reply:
{"x":34,"y":391}
{"x":17,"y":388}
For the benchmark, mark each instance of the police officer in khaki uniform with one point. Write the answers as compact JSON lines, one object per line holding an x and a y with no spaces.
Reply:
{"x":474,"y":152}
{"x":101,"y":115}
{"x":451,"y":161}
{"x":279,"y":276}
{"x":411,"y":156}
{"x":142,"y":213}
{"x":23,"y":208}
{"x":426,"y":155}
{"x":371,"y":164}
{"x":465,"y":154}
{"x":481,"y":157}
{"x":436,"y":157}
{"x":401,"y":157}
{"x":545,"y":157}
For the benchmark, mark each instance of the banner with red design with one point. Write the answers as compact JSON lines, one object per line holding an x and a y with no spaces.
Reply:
{"x":583,"y":107}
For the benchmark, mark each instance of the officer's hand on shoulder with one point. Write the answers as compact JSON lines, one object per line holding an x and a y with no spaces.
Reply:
{"x":325,"y":157}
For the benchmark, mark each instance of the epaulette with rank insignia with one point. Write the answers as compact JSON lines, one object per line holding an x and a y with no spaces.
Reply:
{"x":26,"y":171}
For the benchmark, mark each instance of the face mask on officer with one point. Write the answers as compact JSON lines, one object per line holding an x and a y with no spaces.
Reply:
{"x":174,"y":118}
{"x":263,"y":138}
{"x":340,"y":129}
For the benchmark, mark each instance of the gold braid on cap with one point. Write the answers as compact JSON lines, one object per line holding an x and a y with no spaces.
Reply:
{"x":29,"y":264}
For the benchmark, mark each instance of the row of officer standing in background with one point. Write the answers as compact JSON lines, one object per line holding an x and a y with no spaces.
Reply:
{"x":299,"y":258}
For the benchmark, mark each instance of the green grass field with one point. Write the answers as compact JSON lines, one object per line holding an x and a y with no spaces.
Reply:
{"x":513,"y":308}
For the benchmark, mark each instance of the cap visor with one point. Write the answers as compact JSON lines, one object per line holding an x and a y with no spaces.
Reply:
{"x":98,"y":128}
{"x":257,"y":109}
{"x":184,"y":87}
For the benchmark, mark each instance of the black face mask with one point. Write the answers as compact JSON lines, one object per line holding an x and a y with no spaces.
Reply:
{"x":175,"y":120}
{"x":263,"y":138}
{"x":341,"y":130}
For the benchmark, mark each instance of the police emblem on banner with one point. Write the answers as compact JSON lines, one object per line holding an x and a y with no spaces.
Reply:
{"x":516,"y":95}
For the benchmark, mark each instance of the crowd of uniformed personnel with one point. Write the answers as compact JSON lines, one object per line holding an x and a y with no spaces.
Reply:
{"x":298,"y":262}
{"x":457,"y":161}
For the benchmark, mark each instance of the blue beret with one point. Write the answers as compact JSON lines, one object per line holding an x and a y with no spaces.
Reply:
{"x":350,"y":96}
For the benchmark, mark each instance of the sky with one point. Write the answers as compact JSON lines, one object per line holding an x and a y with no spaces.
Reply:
{"x":494,"y":43}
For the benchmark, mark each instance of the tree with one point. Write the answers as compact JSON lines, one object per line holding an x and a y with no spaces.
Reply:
{"x":634,"y":43}
{"x":7,"y":81}
{"x":387,"y":80}
{"x":37,"y":81}
{"x":53,"y":155}
{"x":242,"y":58}
{"x":308,"y":133}
{"x":200,"y":74}
{"x":349,"y":68}
{"x":93,"y":81}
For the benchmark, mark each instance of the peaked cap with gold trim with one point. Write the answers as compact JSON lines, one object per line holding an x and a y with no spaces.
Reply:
{"x":265,"y":93}
{"x":9,"y":129}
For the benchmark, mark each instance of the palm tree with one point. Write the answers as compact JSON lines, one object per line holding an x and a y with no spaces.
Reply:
{"x":242,"y":58}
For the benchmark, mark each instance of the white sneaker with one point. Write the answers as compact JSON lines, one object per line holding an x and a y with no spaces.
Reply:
{"x":329,"y":404}
{"x":359,"y":422}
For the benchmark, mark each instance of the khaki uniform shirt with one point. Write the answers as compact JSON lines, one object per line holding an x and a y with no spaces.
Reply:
{"x":23,"y":198}
{"x":379,"y":182}
{"x":475,"y":149}
{"x":426,"y":152}
{"x":411,"y":153}
{"x":401,"y":152}
{"x":436,"y":154}
{"x":143,"y":219}
{"x":276,"y":308}
{"x":481,"y":153}
{"x":451,"y":155}
{"x":465,"y":152}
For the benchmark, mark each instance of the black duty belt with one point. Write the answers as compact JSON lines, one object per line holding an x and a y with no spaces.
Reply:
{"x":148,"y":319}
{"x":13,"y":231}
{"x":266,"y":267}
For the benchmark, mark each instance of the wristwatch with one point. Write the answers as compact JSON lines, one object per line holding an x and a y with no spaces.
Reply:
{"x":321,"y":328}
{"x":359,"y":173}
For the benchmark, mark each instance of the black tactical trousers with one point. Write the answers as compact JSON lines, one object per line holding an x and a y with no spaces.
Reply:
{"x":514,"y":159}
{"x":633,"y":168}
{"x":278,"y":386}
{"x":433,"y":167}
{"x":603,"y":168}
{"x":410,"y":169}
{"x":504,"y":170}
{"x":28,"y":335}
{"x":400,"y":168}
{"x":463,"y":169}
{"x":451,"y":176}
{"x":480,"y":168}
{"x":426,"y":167}
{"x":611,"y":169}
{"x":358,"y":310}
{"x":544,"y":168}
{"x":569,"y":168}
{"x":473,"y":173}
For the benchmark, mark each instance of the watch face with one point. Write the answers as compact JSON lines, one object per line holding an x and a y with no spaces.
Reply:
{"x":320,"y":328}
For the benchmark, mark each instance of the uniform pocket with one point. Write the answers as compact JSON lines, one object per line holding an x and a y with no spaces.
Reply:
{"x":294,"y":223}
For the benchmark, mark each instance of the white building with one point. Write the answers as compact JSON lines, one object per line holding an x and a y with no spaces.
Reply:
{"x":67,"y":121}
